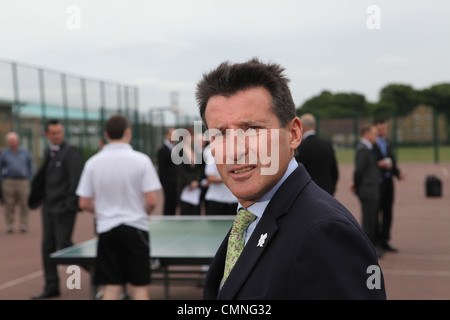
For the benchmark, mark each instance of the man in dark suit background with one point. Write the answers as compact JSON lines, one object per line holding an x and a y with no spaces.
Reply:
{"x":303,"y":244}
{"x":388,"y":169}
{"x":168,"y":174}
{"x":366,"y":178}
{"x":58,"y":177}
{"x":317,"y":155}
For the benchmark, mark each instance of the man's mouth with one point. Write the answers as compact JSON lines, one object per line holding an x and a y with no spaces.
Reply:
{"x":243,"y":170}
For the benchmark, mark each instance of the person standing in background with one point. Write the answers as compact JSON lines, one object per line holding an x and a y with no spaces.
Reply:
{"x":118,"y":185}
{"x":388,"y":168}
{"x":190,"y":175}
{"x":366,"y":183}
{"x":318,"y":156}
{"x":54,"y":186}
{"x":168,"y":174}
{"x":219,"y":199}
{"x":200,"y":146}
{"x":16,"y":169}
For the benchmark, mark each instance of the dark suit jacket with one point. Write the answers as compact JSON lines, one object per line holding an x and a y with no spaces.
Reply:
{"x":366,"y":176}
{"x":394,"y":171}
{"x":56,"y":181}
{"x":166,"y":168}
{"x":314,"y":249}
{"x":319,"y":159}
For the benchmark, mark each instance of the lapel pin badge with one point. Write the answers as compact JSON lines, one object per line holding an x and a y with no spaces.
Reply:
{"x":262,"y":239}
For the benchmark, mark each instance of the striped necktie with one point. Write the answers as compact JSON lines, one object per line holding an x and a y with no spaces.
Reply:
{"x":236,"y":239}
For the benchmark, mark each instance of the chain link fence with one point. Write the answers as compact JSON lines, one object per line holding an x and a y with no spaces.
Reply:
{"x":29,"y":95}
{"x":422,"y":127}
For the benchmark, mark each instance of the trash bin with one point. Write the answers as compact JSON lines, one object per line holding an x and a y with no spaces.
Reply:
{"x":433,"y":186}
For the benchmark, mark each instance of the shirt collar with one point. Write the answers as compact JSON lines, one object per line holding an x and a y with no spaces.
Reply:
{"x":117,"y":145}
{"x":168,"y":144}
{"x":367,"y":143}
{"x":308,"y":133}
{"x":381,"y":140}
{"x":260,"y":205}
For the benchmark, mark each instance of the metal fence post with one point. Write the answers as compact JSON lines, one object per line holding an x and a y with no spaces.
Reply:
{"x":65,"y":105}
{"x":435,"y":135}
{"x":42,"y":94}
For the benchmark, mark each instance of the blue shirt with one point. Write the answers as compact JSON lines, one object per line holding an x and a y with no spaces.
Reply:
{"x":381,"y":142}
{"x":260,"y":205}
{"x":17,"y":165}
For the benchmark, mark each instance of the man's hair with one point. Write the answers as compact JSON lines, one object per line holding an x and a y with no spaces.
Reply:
{"x":308,"y":121}
{"x":12,"y":134}
{"x":365,"y":128}
{"x":115,"y":126}
{"x":227,"y":79}
{"x":379,"y":121}
{"x":51,"y":122}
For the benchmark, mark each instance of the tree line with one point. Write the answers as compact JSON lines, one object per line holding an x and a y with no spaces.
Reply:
{"x":394,"y":99}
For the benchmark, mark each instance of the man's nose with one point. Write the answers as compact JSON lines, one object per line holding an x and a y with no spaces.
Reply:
{"x":236,"y":147}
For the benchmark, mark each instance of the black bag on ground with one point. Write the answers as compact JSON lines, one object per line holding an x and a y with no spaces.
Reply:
{"x":433,"y":186}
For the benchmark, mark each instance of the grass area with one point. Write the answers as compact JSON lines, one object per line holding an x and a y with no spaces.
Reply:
{"x":404,"y":154}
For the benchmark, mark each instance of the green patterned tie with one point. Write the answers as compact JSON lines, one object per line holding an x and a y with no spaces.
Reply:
{"x":236,"y":239}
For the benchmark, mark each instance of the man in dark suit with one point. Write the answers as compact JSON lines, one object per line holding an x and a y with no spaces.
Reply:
{"x":58,"y":179}
{"x":317,"y":155}
{"x":388,"y":168}
{"x":302,"y":243}
{"x":365,"y":182}
{"x":168,"y":174}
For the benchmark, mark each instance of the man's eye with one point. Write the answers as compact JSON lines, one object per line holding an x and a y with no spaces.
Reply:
{"x":253,"y":131}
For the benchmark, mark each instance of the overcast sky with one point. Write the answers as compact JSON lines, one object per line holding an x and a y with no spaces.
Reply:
{"x":164,"y":46}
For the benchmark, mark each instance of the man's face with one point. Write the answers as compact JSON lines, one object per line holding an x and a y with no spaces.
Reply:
{"x":242,"y":158}
{"x":382,"y":129}
{"x":55,"y":133}
{"x":13,"y":142}
{"x":373,"y":134}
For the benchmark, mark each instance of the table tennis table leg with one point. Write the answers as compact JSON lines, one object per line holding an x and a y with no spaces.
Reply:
{"x":93,"y":286}
{"x":166,"y":282}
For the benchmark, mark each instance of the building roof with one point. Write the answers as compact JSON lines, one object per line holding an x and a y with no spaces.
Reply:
{"x":56,"y":112}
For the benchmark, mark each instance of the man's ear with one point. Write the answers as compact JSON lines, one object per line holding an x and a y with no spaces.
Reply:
{"x":127,"y":134}
{"x":296,"y":133}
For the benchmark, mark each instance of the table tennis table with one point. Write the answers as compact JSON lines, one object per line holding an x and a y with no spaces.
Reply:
{"x":174,"y":241}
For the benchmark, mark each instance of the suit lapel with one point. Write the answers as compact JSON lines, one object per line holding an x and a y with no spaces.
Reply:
{"x":56,"y":160}
{"x":277,"y":207}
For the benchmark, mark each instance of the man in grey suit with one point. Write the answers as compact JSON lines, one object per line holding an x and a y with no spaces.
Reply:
{"x":54,"y":186}
{"x":366,"y":182}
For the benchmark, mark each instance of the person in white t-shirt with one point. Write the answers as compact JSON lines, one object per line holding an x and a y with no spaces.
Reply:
{"x":118,"y":185}
{"x":218,"y":198}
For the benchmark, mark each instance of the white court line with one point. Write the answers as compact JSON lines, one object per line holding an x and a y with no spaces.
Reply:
{"x":20,"y":280}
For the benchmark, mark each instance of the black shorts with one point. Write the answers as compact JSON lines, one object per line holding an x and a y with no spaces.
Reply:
{"x":123,"y":256}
